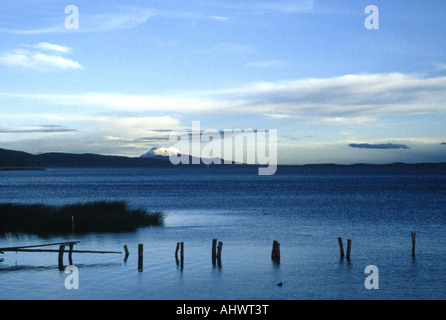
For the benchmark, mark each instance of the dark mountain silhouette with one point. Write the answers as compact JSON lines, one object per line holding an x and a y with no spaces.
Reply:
{"x":11,"y":158}
{"x":20,"y":159}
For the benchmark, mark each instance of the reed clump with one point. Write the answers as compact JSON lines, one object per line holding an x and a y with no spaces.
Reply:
{"x":99,"y":216}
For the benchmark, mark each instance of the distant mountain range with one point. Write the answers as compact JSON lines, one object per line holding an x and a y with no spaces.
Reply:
{"x":156,"y":157}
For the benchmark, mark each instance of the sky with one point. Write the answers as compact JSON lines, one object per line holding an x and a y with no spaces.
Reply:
{"x":335,"y":89}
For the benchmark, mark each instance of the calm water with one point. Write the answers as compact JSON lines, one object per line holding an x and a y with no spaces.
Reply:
{"x":305,"y":209}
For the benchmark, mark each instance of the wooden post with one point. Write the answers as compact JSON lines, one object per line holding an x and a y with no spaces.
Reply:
{"x":214,"y":251}
{"x":349,"y":247}
{"x":61,"y":250}
{"x":219,"y":249}
{"x":70,"y":254}
{"x":176,"y":254}
{"x":275,"y":253}
{"x":341,"y":247}
{"x":126,"y":249}
{"x":182,"y":255}
{"x":140,"y":256}
{"x":72,"y":223}
{"x":413,"y":244}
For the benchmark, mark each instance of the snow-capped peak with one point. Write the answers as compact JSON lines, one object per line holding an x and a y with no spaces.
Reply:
{"x":161,"y":151}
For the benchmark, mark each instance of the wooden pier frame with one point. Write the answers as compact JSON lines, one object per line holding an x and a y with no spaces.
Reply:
{"x":60,"y":251}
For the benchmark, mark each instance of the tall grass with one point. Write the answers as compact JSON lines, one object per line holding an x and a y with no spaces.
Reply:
{"x":99,"y":216}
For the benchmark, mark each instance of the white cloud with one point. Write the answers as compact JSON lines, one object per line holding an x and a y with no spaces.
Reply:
{"x":255,"y":6}
{"x":124,"y":19}
{"x":38,"y":60}
{"x":220,"y":18}
{"x":440,"y":66}
{"x":345,"y":99}
{"x":52,"y":47}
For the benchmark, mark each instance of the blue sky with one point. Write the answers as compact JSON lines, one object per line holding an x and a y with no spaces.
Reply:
{"x":335,"y":90}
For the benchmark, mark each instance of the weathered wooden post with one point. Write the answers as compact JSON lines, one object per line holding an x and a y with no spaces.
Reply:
{"x":126,"y":249}
{"x":219,"y":250}
{"x":140,"y":256}
{"x":214,"y":251}
{"x":341,"y":247}
{"x":182,"y":255}
{"x":176,"y":253}
{"x":70,"y":254}
{"x":413,"y":244}
{"x":349,"y":247}
{"x":275,"y":253}
{"x":72,"y":223}
{"x":60,"y":257}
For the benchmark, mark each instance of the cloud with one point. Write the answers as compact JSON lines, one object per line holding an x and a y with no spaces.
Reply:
{"x":378,"y":146}
{"x":355,"y":95}
{"x":348,"y":99}
{"x":255,"y":6}
{"x":279,"y":116}
{"x":220,"y":18}
{"x":344,"y":120}
{"x":51,"y":47}
{"x":95,"y":22}
{"x":38,"y":59}
{"x":38,"y":129}
{"x":440,"y":66}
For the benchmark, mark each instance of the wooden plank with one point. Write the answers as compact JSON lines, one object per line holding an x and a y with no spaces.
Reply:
{"x":55,"y":250}
{"x":40,"y":245}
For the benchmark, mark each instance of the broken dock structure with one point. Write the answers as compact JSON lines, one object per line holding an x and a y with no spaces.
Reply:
{"x":60,"y":250}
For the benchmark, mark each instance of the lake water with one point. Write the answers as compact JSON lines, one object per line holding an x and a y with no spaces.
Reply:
{"x":304,"y":208}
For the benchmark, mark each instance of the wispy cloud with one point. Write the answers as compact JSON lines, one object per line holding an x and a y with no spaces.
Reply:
{"x":38,"y":129}
{"x":378,"y":146}
{"x":353,"y":99}
{"x":220,"y":18}
{"x":50,"y":47}
{"x":256,"y":7}
{"x":440,"y":66}
{"x":124,"y":18}
{"x":37,"y":59}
